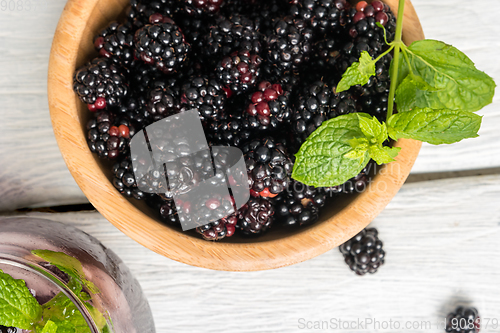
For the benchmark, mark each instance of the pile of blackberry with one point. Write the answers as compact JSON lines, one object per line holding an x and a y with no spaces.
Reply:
{"x":262,"y":76}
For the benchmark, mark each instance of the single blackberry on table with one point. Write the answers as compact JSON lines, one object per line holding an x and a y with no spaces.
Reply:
{"x":217,"y":230}
{"x":299,"y":204}
{"x":356,"y":184}
{"x":269,"y":166}
{"x":268,"y":107}
{"x":463,"y":320}
{"x":100,"y":84}
{"x":239,"y":70}
{"x":324,"y":16}
{"x":162,"y":44}
{"x":363,"y":253}
{"x":200,"y":8}
{"x":109,"y":136}
{"x":288,"y":44}
{"x":116,"y":42}
{"x":124,"y":179}
{"x":235,"y":32}
{"x":205,"y":94}
{"x":256,"y":216}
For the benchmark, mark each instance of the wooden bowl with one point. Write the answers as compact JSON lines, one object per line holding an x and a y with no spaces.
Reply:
{"x":72,"y":47}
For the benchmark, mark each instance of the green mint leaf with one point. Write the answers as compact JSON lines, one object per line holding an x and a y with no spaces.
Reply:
{"x":456,"y":83}
{"x":358,"y":73}
{"x":322,"y":161}
{"x":50,"y":327}
{"x":383,"y":154}
{"x":434,"y":126}
{"x":64,"y":313}
{"x":18,"y":308}
{"x":373,"y":130}
{"x":68,"y":265}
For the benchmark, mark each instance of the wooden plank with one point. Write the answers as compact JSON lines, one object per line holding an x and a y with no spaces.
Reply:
{"x":32,"y":172}
{"x":441,"y":239}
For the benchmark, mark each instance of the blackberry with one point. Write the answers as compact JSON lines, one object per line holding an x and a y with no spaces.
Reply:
{"x":256,"y":216}
{"x":288,"y":43}
{"x":268,"y":107}
{"x":116,"y":42}
{"x":239,"y":71}
{"x":100,"y":84}
{"x":168,"y":212}
{"x":463,"y":320}
{"x":205,"y":94}
{"x":109,"y":136}
{"x":363,"y":253}
{"x":299,"y":204}
{"x":133,"y":108}
{"x":140,"y":11}
{"x":227,"y":34}
{"x":324,"y":16}
{"x":356,"y":184}
{"x":217,"y":230}
{"x":161,"y":44}
{"x":199,"y":8}
{"x":124,"y":179}
{"x":269,"y":166}
{"x":162,"y":102}
{"x":228,"y":132}
{"x":142,"y":77}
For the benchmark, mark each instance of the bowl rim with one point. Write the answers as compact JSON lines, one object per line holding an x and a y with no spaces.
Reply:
{"x":177,"y":245}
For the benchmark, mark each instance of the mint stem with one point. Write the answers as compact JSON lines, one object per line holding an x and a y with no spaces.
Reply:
{"x":395,"y":66}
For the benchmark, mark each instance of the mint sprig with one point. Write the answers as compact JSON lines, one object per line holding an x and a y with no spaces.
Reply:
{"x":436,"y":89}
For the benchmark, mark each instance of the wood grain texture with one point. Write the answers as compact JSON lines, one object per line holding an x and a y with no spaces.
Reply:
{"x":72,"y":47}
{"x":441,"y":240}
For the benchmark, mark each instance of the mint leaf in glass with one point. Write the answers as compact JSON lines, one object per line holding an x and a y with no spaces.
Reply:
{"x":457,"y":83}
{"x":50,"y":327}
{"x":434,"y":126}
{"x":18,"y":307}
{"x":358,"y":73}
{"x":64,"y":313}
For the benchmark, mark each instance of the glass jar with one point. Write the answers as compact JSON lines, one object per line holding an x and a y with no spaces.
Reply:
{"x":120,"y":298}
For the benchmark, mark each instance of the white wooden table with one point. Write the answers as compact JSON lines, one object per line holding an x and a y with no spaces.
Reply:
{"x":441,"y":236}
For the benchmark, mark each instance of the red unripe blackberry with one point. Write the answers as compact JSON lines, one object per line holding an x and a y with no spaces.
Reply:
{"x":239,"y":71}
{"x":162,"y":44}
{"x":363,"y":253}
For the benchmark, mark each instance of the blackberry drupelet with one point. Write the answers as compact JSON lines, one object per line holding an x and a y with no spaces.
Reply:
{"x":324,"y":16}
{"x":268,"y":107}
{"x":288,"y":43}
{"x":463,"y":320}
{"x":256,"y":216}
{"x":124,"y":179}
{"x":227,"y":34}
{"x":239,"y":71}
{"x":205,"y":94}
{"x":363,"y":253}
{"x":116,"y":42}
{"x":299,"y":204}
{"x":109,"y":136}
{"x":100,"y":84}
{"x":269,"y":166}
{"x":200,"y":8}
{"x":161,"y":44}
{"x":217,"y":230}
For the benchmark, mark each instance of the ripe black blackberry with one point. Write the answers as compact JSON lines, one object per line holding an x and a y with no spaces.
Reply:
{"x":205,"y":94}
{"x":288,"y":43}
{"x":235,"y":32}
{"x":168,"y":211}
{"x":324,"y":16}
{"x":239,"y":71}
{"x":124,"y":179}
{"x":228,"y":132}
{"x":200,"y":8}
{"x":268,"y":107}
{"x":356,"y":184}
{"x":255,"y":217}
{"x":161,"y":44}
{"x":269,"y":166}
{"x":133,"y":108}
{"x":100,"y":84}
{"x":299,"y":204}
{"x":463,"y":320}
{"x":363,"y":253}
{"x":140,"y":11}
{"x":217,"y":230}
{"x":108,"y":135}
{"x":116,"y":42}
{"x":162,"y":102}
